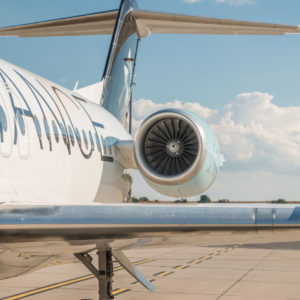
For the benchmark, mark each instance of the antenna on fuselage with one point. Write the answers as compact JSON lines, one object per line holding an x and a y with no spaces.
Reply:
{"x":75,"y":86}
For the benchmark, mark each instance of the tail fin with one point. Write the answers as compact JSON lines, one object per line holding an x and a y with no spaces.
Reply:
{"x":120,"y":64}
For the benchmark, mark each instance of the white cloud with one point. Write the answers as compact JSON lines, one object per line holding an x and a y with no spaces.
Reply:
{"x":261,"y":143}
{"x":255,"y":134}
{"x":236,"y":2}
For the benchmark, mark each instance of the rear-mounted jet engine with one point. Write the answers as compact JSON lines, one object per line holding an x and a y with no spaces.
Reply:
{"x":177,"y":153}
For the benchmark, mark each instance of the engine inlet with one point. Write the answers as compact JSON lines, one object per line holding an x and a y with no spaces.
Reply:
{"x":171,"y":146}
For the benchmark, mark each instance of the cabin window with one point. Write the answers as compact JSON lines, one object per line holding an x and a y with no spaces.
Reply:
{"x":71,"y":135}
{"x":20,"y":122}
{"x":78,"y":137}
{"x":64,"y":133}
{"x":47,"y":129}
{"x":3,"y":124}
{"x":97,"y":141}
{"x":55,"y":130}
{"x":37,"y":126}
{"x":91,"y":140}
{"x":85,"y":139}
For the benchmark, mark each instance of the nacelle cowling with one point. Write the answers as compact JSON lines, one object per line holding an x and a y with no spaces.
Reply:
{"x":177,"y":153}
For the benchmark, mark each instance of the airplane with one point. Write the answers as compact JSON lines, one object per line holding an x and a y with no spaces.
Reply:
{"x":63,"y":155}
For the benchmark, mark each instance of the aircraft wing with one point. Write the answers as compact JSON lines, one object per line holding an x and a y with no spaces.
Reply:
{"x":147,"y":21}
{"x":86,"y":222}
{"x":34,"y":237}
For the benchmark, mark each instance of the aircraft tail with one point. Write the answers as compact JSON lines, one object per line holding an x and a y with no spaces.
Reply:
{"x":120,"y":64}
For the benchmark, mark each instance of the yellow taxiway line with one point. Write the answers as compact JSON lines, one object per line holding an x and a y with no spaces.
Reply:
{"x":68,"y":282}
{"x":120,"y":290}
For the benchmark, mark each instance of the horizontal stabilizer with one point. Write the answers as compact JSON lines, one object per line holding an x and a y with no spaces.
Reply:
{"x":181,"y":24}
{"x":147,"y":21}
{"x":91,"y":24}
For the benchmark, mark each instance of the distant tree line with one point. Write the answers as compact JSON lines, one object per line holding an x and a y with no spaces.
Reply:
{"x":203,"y":199}
{"x":223,"y":201}
{"x":279,"y":201}
{"x":182,"y":200}
{"x":141,"y":199}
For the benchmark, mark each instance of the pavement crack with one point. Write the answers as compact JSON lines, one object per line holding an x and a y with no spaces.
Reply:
{"x":243,"y":276}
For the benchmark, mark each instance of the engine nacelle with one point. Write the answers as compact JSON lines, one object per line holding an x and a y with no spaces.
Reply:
{"x":177,"y":153}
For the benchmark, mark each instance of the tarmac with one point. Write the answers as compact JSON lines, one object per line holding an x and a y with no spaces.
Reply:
{"x":227,"y":272}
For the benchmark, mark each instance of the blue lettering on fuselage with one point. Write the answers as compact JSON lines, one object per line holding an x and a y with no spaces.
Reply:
{"x":55,"y":115}
{"x":3,"y":124}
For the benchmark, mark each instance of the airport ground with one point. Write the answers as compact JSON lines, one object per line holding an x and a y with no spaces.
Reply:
{"x":228,"y":272}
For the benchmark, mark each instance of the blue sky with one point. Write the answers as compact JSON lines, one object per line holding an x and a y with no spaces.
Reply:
{"x":198,"y":68}
{"x":225,"y":75}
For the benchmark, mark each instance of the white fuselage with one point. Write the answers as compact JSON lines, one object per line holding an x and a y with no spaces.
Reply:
{"x":55,"y":145}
